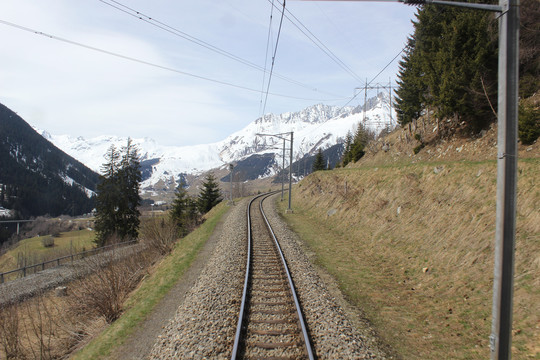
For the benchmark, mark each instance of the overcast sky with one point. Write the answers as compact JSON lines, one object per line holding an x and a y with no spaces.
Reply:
{"x":65,"y":88}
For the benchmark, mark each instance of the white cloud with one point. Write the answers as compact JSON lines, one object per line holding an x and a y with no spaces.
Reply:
{"x":64,"y":88}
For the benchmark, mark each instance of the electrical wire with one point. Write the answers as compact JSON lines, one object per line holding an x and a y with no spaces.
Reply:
{"x":144,"y":62}
{"x":380,"y":72}
{"x":174,"y":31}
{"x":266,"y":59}
{"x":274,"y":57}
{"x":315,"y":40}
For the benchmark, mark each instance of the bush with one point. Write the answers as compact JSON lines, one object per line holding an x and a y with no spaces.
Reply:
{"x":47,"y":241}
{"x":10,"y":339}
{"x":529,"y":124}
{"x":417,"y":149}
{"x":104,"y":292}
{"x":159,"y":234}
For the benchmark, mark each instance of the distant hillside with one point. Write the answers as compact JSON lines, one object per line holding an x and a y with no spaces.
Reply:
{"x":37,"y":178}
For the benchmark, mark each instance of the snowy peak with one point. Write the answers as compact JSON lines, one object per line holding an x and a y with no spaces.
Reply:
{"x":318,"y":126}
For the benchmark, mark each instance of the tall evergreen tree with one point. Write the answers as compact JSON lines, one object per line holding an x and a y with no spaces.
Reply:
{"x":409,"y":95}
{"x":210,"y":194}
{"x":319,"y":164}
{"x":346,"y":157}
{"x":184,"y":211}
{"x":108,"y":198}
{"x":450,"y":66}
{"x":130,"y":178}
{"x":360,"y":140}
{"x":118,"y":195}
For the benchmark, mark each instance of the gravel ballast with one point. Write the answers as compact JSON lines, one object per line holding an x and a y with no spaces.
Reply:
{"x":205,"y":322}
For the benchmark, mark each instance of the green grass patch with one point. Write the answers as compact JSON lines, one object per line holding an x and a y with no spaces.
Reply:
{"x":153,"y":289}
{"x":35,"y":252}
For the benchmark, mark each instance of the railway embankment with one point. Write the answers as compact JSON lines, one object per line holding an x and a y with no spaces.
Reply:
{"x":411,"y":243}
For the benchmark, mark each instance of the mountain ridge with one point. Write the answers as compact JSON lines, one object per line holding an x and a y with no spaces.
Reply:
{"x":317,"y":126}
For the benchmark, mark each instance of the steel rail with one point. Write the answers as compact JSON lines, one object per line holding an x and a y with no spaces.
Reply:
{"x":240,"y":325}
{"x":246,"y":282}
{"x":303,"y":326}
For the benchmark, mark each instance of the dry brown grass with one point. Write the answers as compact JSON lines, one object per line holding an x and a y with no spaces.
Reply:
{"x":413,"y":246}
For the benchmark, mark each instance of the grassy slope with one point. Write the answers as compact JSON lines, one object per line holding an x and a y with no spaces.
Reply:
{"x":153,"y":289}
{"x":33,"y":248}
{"x":412,"y":245}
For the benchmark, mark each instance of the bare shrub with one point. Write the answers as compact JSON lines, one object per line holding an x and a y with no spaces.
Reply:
{"x":10,"y":337}
{"x":114,"y":277}
{"x":47,"y":241}
{"x":159,"y":235}
{"x":40,"y":328}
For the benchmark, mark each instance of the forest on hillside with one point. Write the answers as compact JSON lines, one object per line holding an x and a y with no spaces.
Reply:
{"x":449,"y":69}
{"x":36,"y":178}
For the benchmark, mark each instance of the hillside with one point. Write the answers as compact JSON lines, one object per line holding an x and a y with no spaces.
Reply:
{"x":410,"y":239}
{"x":36,"y":177}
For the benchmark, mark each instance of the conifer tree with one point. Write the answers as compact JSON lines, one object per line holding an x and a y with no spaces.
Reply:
{"x":210,"y":194}
{"x":318,"y":164}
{"x":450,"y":66}
{"x":346,"y":157}
{"x":118,"y":196}
{"x":130,"y":178}
{"x":360,"y":140}
{"x":184,"y":212}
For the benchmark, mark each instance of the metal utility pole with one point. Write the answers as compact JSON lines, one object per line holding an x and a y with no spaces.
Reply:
{"x":501,"y":327}
{"x":283,"y":172}
{"x":282,"y":136}
{"x":290,"y":174}
{"x":231,"y":167}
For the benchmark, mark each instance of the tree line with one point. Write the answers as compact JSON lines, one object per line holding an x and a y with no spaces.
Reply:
{"x":118,"y":199}
{"x":449,"y":67}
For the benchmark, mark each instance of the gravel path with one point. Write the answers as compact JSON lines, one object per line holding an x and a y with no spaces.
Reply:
{"x":205,"y":323}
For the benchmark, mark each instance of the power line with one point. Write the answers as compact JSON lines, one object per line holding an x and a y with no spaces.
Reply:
{"x":266,"y":58}
{"x":379,"y":73}
{"x":144,"y":62}
{"x":174,"y":31}
{"x":274,"y":57}
{"x":315,"y":40}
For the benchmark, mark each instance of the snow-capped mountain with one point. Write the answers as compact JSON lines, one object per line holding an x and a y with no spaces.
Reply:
{"x":315,"y":127}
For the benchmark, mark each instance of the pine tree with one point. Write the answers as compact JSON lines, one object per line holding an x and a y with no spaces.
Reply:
{"x":360,"y":140}
{"x":210,"y":194}
{"x":184,"y":212}
{"x":450,"y":66}
{"x":318,"y":164}
{"x":409,"y":95}
{"x":130,"y":178}
{"x":346,"y":157}
{"x":108,"y":193}
{"x":118,"y":196}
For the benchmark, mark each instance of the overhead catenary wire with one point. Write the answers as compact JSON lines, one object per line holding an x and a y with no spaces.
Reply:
{"x":274,"y":57}
{"x":266,"y":58}
{"x":376,"y":76}
{"x":144,"y":62}
{"x":175,"y":31}
{"x":315,"y":40}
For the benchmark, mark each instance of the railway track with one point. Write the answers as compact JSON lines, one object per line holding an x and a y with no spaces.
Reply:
{"x":270,"y":323}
